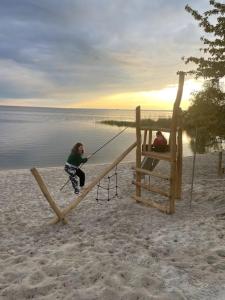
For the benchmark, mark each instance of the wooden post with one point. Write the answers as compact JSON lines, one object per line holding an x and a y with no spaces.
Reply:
{"x":138,"y":149}
{"x":47,"y":195}
{"x":179,"y":164}
{"x":220,"y":168}
{"x":145,"y":140}
{"x":173,"y":176}
{"x":173,"y":143}
{"x":149,"y":139}
{"x":76,"y":201}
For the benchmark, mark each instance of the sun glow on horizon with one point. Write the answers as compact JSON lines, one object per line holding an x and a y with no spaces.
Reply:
{"x":154,"y":99}
{"x":161,"y":99}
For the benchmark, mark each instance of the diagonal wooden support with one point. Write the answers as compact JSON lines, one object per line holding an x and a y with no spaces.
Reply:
{"x":47,"y":195}
{"x":76,"y":201}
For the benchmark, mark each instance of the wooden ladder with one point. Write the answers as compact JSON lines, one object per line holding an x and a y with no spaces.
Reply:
{"x":173,"y":157}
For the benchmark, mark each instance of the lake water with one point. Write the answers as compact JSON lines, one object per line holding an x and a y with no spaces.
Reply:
{"x":43,"y":137}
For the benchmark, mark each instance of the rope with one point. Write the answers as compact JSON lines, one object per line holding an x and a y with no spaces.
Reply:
{"x":107,"y":142}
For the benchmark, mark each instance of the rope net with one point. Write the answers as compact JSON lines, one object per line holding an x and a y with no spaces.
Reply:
{"x":111,"y":185}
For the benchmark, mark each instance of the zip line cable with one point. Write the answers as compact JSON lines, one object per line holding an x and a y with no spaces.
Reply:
{"x":106,"y":143}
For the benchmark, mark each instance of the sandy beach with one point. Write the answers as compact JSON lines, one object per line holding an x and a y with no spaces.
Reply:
{"x":114,"y":249}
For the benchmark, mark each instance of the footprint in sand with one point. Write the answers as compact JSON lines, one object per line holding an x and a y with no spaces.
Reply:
{"x":9,"y":276}
{"x":36,"y":278}
{"x":211,"y":259}
{"x":42,"y":261}
{"x":221,"y":253}
{"x":19,"y":259}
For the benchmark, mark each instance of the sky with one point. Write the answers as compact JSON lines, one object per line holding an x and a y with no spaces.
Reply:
{"x":96,"y":53}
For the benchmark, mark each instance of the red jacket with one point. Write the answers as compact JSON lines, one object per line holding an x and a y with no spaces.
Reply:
{"x":160,"y":140}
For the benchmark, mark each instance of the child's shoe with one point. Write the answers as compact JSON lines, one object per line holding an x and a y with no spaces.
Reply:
{"x":76,"y":191}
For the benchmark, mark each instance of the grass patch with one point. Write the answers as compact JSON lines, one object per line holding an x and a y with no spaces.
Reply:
{"x":160,"y":123}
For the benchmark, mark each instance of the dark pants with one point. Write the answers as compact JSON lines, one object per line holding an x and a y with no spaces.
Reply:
{"x":73,"y":173}
{"x":81,"y":175}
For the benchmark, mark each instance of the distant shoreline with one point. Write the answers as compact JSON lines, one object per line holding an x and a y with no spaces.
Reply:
{"x":78,"y":108}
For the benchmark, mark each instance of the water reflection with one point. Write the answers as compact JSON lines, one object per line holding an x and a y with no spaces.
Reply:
{"x":43,"y":137}
{"x":202,"y":141}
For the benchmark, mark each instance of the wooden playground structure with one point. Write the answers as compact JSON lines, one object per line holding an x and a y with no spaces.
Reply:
{"x":173,"y":156}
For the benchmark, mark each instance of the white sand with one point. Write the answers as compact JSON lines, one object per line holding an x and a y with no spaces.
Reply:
{"x":113,"y":250}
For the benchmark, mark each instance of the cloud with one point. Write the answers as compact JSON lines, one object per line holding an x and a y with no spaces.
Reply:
{"x":82,"y":46}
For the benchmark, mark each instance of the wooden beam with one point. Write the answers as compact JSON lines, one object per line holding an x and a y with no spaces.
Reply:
{"x":138,"y":149}
{"x":179,"y":164}
{"x":76,"y":201}
{"x":47,"y":195}
{"x":179,"y":91}
{"x":155,"y":129}
{"x":173,"y":142}
{"x":149,"y":202}
{"x":158,"y":155}
{"x":151,"y":188}
{"x":154,"y":174}
{"x":220,"y":159}
{"x":149,"y":139}
{"x":145,"y":138}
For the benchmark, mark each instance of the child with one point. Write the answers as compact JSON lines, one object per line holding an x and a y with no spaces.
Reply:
{"x":72,"y":166}
{"x":160,"y":143}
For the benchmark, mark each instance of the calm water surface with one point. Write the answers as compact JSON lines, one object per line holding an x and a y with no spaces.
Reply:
{"x":44,"y":136}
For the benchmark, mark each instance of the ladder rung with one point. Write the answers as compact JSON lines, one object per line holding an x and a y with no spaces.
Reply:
{"x":149,"y":202}
{"x":158,"y":155}
{"x":152,"y":189}
{"x":154,"y":174}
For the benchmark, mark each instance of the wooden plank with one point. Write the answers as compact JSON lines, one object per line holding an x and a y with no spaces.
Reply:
{"x":76,"y":201}
{"x":155,"y":129}
{"x":149,"y":202}
{"x":154,"y":174}
{"x":158,"y":155}
{"x":47,"y":195}
{"x":138,"y":149}
{"x":152,"y":189}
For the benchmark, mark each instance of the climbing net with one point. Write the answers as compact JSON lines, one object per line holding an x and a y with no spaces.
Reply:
{"x":108,"y":187}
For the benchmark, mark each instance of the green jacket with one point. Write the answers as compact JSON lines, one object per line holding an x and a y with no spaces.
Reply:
{"x":76,"y":159}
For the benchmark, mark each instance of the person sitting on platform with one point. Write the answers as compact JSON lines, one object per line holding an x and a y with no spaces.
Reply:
{"x":72,"y":166}
{"x":160,"y":143}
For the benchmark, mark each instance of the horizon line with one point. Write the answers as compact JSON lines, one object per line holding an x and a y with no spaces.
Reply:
{"x":78,"y":108}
